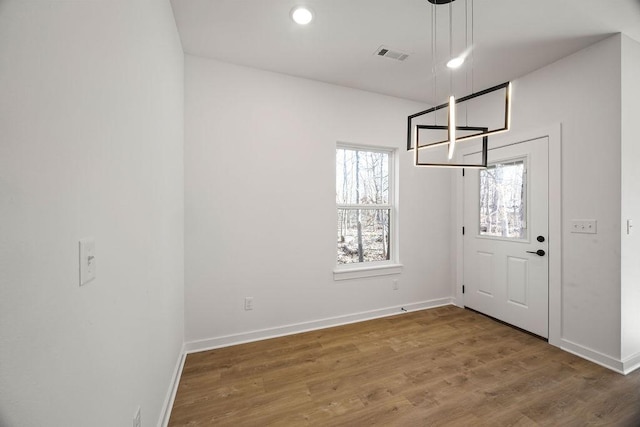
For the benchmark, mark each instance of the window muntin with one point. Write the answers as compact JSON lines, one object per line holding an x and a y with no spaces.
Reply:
{"x":503,"y":200}
{"x":363,"y":199}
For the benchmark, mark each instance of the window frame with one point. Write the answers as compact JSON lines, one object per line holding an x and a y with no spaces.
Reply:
{"x":373,"y":268}
{"x":526,"y":201}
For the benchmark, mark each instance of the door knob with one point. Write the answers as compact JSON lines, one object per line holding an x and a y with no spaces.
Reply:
{"x":539,"y":252}
{"x":540,"y":239}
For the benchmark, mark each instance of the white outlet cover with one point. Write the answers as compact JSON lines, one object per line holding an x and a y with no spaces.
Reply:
{"x":87,"y":249}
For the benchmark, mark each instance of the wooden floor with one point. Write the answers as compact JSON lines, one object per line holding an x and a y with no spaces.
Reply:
{"x":445,"y":366}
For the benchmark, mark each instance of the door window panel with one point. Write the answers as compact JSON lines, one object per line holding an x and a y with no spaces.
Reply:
{"x":503,"y":208}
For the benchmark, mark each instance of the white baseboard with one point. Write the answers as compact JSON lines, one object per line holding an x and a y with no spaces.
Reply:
{"x":631,"y":363}
{"x":173,"y":389}
{"x":594,"y":356}
{"x":279,"y":331}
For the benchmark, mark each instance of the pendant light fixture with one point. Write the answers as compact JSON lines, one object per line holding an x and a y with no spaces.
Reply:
{"x":428,"y":137}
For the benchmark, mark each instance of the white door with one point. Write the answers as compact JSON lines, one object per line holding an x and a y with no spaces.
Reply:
{"x":506,"y":267}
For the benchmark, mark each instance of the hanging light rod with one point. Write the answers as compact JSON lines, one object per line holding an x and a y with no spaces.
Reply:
{"x":452,"y":126}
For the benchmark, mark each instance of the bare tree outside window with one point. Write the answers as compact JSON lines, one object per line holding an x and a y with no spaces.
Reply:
{"x":363,"y":203}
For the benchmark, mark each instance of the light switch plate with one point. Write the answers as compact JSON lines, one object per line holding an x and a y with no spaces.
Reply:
{"x":586,"y":226}
{"x":87,"y":260}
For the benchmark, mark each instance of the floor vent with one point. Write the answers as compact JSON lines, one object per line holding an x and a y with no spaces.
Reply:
{"x":391,"y":54}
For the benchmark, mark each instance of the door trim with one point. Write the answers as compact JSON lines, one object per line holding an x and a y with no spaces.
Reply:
{"x":554,"y":134}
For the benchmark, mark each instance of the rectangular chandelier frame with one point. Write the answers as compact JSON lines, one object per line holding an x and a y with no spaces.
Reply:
{"x":483,"y":150}
{"x":412,"y":130}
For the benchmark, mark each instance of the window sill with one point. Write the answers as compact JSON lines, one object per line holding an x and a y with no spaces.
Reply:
{"x":370,"y":271}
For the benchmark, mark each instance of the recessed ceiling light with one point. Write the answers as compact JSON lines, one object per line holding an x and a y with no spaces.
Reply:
{"x":456,"y":62}
{"x":301,"y":15}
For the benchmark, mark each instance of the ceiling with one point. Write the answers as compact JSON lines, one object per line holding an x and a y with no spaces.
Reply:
{"x":510,"y":39}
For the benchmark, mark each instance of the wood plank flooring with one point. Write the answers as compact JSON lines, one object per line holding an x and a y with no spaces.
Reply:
{"x":439,"y":367}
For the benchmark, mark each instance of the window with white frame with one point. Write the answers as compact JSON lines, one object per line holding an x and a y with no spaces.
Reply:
{"x":364,"y":201}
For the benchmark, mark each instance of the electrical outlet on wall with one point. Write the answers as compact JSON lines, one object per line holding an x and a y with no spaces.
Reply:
{"x":248,"y":303}
{"x":584,"y":226}
{"x":137,"y":420}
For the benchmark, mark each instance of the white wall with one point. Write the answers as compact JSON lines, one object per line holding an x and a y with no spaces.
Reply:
{"x":260,"y":213}
{"x":91,"y":144}
{"x":582,"y":92}
{"x":630,"y":266}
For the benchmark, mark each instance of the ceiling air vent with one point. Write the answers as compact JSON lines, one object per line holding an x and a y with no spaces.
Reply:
{"x":391,"y":54}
